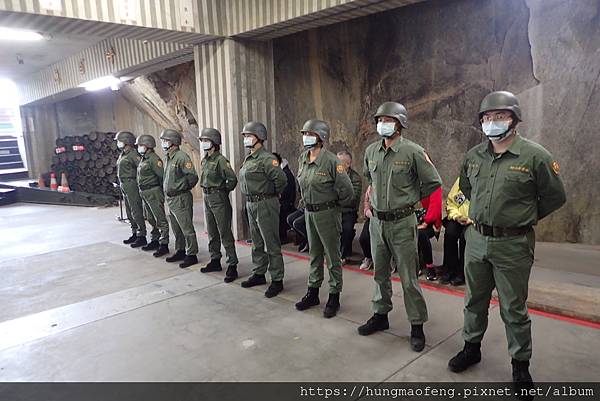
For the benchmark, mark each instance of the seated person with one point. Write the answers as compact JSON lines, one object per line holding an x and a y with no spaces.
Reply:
{"x":287,"y":201}
{"x":456,"y":222}
{"x":297,"y":222}
{"x":350,"y":214}
{"x":429,"y":221}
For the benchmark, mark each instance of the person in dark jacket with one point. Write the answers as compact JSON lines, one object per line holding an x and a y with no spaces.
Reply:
{"x":287,"y":201}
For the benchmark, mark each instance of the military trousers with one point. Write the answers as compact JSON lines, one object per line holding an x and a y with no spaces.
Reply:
{"x":503,"y":263}
{"x":154,"y":206}
{"x":181,"y":208}
{"x":398,"y":240}
{"x":217,"y":208}
{"x":323,"y":229}
{"x":263,"y":218}
{"x":133,"y":207}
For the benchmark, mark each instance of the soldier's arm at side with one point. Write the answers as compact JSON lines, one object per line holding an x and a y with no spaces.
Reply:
{"x":366,"y":171}
{"x":550,"y":187}
{"x":189,"y":172}
{"x":159,"y":169}
{"x":463,"y":182}
{"x":275,"y":174}
{"x":343,"y":186}
{"x":228,"y":174}
{"x":427,"y":174}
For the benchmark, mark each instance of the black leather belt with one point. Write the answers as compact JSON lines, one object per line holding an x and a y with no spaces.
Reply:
{"x":396,"y":214}
{"x":146,"y":187}
{"x":317,"y":207}
{"x":490,"y":231}
{"x":260,"y":197}
{"x":212,"y":190}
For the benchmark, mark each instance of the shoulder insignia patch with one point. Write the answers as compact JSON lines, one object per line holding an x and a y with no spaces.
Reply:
{"x":339,"y":168}
{"x":188,"y":165}
{"x":555,"y":167}
{"x":159,"y":163}
{"x":275,"y":163}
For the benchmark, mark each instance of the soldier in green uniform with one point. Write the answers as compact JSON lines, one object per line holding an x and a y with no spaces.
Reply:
{"x":512,"y":183}
{"x":127,"y":164}
{"x":180,"y":178}
{"x":262,"y":181}
{"x":217,"y":180}
{"x":150,"y":182}
{"x":400,"y":174}
{"x":325,"y":188}
{"x":350,"y":213}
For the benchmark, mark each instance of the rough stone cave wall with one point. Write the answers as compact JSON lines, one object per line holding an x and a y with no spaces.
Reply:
{"x":440,"y":58}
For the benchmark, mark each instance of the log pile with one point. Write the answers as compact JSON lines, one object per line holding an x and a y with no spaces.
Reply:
{"x":89,"y":161}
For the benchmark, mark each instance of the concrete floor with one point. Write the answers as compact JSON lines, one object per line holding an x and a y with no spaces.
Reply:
{"x":80,"y":306}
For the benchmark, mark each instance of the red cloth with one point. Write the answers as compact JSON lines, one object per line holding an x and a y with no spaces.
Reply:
{"x":433,"y":204}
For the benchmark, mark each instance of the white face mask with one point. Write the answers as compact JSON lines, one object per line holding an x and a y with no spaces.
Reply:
{"x":386,"y":129}
{"x":496,"y":130}
{"x":309,"y":141}
{"x":206,"y":146}
{"x":248,"y":142}
{"x":120,"y":144}
{"x":141,"y":150}
{"x":165,"y":145}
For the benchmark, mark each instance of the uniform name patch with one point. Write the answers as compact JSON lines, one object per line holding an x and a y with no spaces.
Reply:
{"x":520,"y":169}
{"x":401,"y":163}
{"x":321,"y":173}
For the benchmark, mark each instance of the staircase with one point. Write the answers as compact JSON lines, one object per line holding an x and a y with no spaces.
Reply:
{"x":11,"y":164}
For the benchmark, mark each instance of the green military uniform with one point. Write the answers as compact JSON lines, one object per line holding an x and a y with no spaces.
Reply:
{"x":325,"y":187}
{"x":400,"y":176}
{"x":217,"y":180}
{"x":262,"y":180}
{"x":150,"y":173}
{"x":127,"y":164}
{"x":180,"y":178}
{"x":511,"y":191}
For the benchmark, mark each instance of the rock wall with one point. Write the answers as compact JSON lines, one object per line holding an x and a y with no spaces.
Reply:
{"x":440,"y":58}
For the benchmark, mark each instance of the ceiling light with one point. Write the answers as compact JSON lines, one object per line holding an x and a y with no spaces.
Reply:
{"x":19,"y":34}
{"x":102,"y":83}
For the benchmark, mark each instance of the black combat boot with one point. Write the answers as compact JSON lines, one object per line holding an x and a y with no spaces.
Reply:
{"x":188,"y":261}
{"x":332,"y":306}
{"x":470,"y":355}
{"x":151,"y":246}
{"x":377,"y":322}
{"x":310,"y":299}
{"x":130,"y":240}
{"x":231,"y":273}
{"x":163,"y":249}
{"x":417,"y":338}
{"x":254,"y":280}
{"x":213,"y":266}
{"x":176,"y":257}
{"x":139,"y":241}
{"x":275,"y":288}
{"x":522,"y":381}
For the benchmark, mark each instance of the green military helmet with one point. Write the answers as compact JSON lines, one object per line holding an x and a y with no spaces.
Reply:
{"x":257,"y":129}
{"x":146,"y":140}
{"x":211,"y":134}
{"x":394,"y":110}
{"x":500,"y":100}
{"x":319,"y":127}
{"x":126,"y":137}
{"x":171,"y":135}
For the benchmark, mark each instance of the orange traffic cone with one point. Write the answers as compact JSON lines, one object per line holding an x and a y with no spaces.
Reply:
{"x":64,"y":183}
{"x":41,"y":182}
{"x":53,"y":184}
